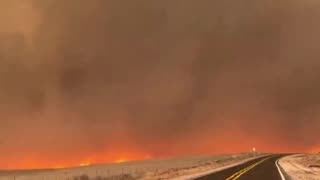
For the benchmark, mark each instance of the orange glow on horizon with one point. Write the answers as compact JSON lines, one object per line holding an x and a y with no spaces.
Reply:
{"x":206,"y":144}
{"x":315,"y":149}
{"x":43,"y":163}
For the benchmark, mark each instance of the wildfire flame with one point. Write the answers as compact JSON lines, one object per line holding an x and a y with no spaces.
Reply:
{"x":121,"y":160}
{"x":84,"y":164}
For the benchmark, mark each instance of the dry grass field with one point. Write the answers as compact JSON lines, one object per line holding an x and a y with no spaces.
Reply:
{"x":149,"y":169}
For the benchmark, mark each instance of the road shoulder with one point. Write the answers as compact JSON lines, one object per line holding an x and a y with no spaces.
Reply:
{"x":301,"y":166}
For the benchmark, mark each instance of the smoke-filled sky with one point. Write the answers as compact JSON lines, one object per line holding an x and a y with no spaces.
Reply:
{"x":110,"y":80}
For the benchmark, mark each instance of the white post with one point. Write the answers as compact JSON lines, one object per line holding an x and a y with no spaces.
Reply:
{"x":254,"y":151}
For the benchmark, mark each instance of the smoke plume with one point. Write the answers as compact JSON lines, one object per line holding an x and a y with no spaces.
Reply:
{"x":100,"y":80}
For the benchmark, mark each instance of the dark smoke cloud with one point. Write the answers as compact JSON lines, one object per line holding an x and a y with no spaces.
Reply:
{"x":89,"y":76}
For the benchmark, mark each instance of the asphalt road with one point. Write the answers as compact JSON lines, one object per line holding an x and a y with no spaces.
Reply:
{"x":263,"y":168}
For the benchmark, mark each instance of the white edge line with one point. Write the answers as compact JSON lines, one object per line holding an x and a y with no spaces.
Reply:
{"x":280,"y":172}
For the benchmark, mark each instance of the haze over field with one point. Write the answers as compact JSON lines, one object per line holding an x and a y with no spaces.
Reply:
{"x":102,"y":81}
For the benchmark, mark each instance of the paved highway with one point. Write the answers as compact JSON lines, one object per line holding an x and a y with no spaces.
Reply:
{"x":263,"y":168}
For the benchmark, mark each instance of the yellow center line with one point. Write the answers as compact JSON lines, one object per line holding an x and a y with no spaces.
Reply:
{"x":243,"y":171}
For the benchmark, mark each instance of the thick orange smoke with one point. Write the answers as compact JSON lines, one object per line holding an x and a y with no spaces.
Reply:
{"x":38,"y":162}
{"x":85,"y":82}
